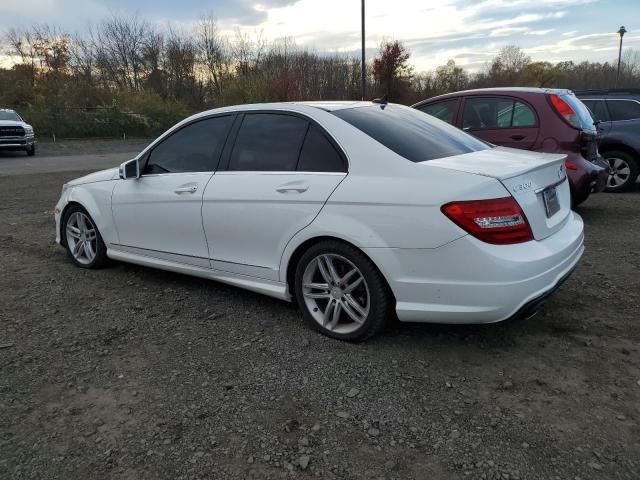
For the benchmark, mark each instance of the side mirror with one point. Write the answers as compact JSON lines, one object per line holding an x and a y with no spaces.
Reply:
{"x":130,"y":169}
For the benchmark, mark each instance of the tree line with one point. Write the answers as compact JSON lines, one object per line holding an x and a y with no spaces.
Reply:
{"x":125,"y":75}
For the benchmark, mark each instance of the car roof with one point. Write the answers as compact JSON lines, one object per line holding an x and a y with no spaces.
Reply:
{"x":301,"y":107}
{"x":7,"y":110}
{"x":612,"y":92}
{"x":497,"y":90}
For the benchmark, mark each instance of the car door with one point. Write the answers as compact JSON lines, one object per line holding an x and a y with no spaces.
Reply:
{"x":502,"y":121}
{"x":279,"y":172}
{"x":160,"y":213}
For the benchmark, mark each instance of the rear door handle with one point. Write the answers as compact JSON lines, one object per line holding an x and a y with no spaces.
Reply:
{"x":293,"y":187}
{"x":517,"y":137}
{"x":189,"y":188}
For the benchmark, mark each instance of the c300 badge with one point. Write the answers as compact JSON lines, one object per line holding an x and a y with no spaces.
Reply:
{"x":521,"y":187}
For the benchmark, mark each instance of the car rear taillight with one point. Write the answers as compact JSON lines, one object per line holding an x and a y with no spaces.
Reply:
{"x":565,"y":110}
{"x":499,"y":221}
{"x":570,"y":165}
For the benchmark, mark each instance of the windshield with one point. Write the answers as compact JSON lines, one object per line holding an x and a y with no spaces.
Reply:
{"x":583,"y":113}
{"x":9,"y":115}
{"x":410,"y":133}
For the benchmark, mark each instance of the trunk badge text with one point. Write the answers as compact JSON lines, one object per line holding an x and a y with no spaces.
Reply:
{"x":522,"y":187}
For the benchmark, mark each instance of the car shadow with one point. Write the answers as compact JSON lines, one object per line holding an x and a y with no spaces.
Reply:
{"x":491,"y":336}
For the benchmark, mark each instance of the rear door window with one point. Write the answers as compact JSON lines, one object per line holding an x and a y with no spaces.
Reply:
{"x":623,"y":109}
{"x":268,"y":142}
{"x":318,"y":154}
{"x":492,"y":113}
{"x":409,"y":132}
{"x":441,"y":110}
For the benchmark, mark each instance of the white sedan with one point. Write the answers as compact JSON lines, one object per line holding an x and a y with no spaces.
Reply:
{"x":357,"y":210}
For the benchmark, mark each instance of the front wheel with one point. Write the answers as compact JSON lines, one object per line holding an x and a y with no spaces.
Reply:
{"x":341,"y":292}
{"x":32,"y":151}
{"x":623,"y":171}
{"x":82,"y":239}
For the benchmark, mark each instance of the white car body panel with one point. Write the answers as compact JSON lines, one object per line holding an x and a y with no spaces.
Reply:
{"x":249,"y":217}
{"x":163,"y":213}
{"x":239,"y":229}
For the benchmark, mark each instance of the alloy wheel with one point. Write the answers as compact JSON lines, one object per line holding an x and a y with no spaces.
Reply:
{"x":619,"y":172}
{"x":82,"y":238}
{"x":336,"y":293}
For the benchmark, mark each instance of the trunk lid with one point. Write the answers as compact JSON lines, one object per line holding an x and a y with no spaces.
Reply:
{"x":537,"y":181}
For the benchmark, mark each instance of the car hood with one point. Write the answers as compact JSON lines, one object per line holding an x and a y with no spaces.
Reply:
{"x":13,"y":123}
{"x":101,"y":176}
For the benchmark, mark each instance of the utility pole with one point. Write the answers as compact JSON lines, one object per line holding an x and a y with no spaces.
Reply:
{"x":620,"y":32}
{"x":362,"y":64}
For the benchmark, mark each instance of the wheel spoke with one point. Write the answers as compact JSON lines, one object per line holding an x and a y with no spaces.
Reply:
{"x":353,"y":309}
{"x":322,"y":268}
{"x":76,"y":248}
{"x":91,"y":234}
{"x":88,"y":250}
{"x":82,"y":226}
{"x":347,"y":276}
{"x":625,"y":171}
{"x":73,"y":232}
{"x":332,"y":269}
{"x":335,"y":316}
{"x":324,"y":293}
{"x":352,"y":286}
{"x":328,"y":311}
{"x":618,"y":163}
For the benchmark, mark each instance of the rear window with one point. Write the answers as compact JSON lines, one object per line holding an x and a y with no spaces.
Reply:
{"x":584,"y":116}
{"x":410,"y":133}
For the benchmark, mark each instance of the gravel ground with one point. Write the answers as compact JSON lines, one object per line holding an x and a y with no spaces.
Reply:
{"x":130,"y":372}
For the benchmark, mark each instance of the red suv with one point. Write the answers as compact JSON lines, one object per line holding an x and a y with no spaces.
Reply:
{"x":540,"y":119}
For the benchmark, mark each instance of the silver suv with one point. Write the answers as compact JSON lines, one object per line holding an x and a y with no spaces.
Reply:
{"x":15,"y":133}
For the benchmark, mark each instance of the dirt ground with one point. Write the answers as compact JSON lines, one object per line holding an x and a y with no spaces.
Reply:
{"x":130,"y":372}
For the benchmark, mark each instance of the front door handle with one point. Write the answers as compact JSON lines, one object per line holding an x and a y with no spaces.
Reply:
{"x":187,"y":189}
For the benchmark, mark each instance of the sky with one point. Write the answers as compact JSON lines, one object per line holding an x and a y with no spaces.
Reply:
{"x":469,"y":31}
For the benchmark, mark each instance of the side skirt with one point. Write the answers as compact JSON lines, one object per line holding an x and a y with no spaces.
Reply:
{"x":266,"y":287}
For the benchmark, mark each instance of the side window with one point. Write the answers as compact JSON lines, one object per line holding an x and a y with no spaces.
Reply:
{"x":268,"y":142}
{"x":523,"y":116}
{"x":482,"y":113}
{"x":441,"y":110}
{"x":318,"y":154}
{"x":598,"y":109}
{"x":194,"y":148}
{"x":623,"y":109}
{"x":492,"y":113}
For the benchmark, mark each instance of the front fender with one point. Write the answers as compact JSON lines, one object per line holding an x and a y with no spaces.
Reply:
{"x":96,"y":199}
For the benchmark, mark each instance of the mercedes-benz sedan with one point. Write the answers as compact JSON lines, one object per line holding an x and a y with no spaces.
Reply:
{"x":357,"y":210}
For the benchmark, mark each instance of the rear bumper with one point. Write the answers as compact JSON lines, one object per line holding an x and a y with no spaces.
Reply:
{"x":469,"y":281}
{"x":590,"y":177}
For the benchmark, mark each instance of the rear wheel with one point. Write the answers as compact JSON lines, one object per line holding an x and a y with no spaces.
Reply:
{"x":341,"y":292}
{"x":82,"y":239}
{"x":623,"y":170}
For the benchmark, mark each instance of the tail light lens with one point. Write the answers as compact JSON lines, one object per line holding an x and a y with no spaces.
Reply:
{"x":500,"y":221}
{"x":565,"y":111}
{"x":570,"y":165}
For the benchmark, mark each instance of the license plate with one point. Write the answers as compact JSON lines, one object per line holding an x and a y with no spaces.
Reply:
{"x":551,"y":203}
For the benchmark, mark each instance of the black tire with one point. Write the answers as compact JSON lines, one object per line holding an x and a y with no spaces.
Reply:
{"x":381,"y":301}
{"x":32,"y":151}
{"x":620,"y":158}
{"x":100,"y":259}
